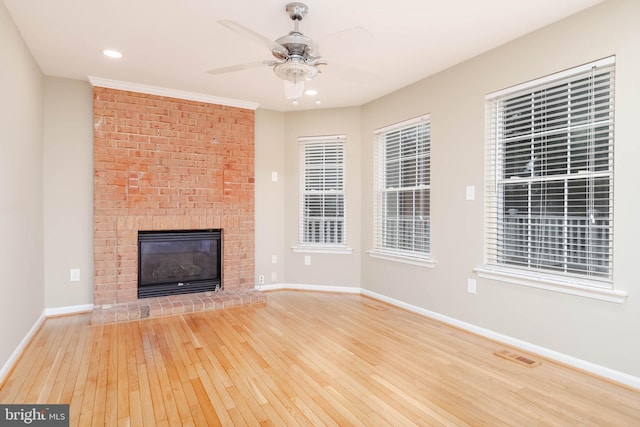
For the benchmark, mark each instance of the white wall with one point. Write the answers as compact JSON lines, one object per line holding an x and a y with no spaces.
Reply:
{"x":68,"y":191}
{"x":21,"y":189}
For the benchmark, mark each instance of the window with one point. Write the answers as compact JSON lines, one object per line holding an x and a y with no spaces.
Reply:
{"x":549,"y":195}
{"x":402,"y":193}
{"x":322,"y":198}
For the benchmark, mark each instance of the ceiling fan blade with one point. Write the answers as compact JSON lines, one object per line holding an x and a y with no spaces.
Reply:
{"x":256,"y":37}
{"x":349,"y":38}
{"x":358,"y":32}
{"x":352,"y":74}
{"x":237,"y":67}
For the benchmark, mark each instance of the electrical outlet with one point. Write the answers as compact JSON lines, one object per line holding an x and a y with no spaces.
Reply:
{"x":307,"y":260}
{"x":471,"y":286}
{"x":74,"y":275}
{"x":261,"y":279}
{"x":274,"y":259}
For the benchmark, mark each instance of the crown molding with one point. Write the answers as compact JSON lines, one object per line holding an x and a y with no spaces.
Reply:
{"x":171,"y":93}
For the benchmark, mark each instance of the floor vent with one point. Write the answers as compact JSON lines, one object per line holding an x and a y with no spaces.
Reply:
{"x":514,"y":357}
{"x":379,"y":307}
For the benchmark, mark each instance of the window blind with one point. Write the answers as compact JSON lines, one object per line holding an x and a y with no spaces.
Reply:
{"x":549,"y":163}
{"x":322,"y":201}
{"x":402,"y":193}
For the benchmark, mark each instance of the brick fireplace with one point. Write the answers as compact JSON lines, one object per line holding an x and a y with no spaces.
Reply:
{"x":164,"y":163}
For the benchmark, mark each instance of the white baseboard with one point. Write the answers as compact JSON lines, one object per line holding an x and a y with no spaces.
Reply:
{"x":592,"y":368}
{"x":72,"y":309}
{"x":48,"y":312}
{"x":316,"y":288}
{"x":8,"y":366}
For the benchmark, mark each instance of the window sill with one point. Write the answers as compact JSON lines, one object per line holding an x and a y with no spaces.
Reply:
{"x":566,"y":286}
{"x":340,"y":250}
{"x":421,"y":262}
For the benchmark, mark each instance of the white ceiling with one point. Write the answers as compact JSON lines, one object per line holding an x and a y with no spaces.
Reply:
{"x":172,"y":43}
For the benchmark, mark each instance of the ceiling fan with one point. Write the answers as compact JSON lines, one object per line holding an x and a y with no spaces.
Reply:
{"x":297,"y":56}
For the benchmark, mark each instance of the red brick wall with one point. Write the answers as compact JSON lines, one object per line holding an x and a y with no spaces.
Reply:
{"x":169,"y":164}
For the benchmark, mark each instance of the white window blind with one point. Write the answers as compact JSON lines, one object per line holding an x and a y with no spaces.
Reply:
{"x":402,"y":193}
{"x":322,"y":193}
{"x":549,"y":163}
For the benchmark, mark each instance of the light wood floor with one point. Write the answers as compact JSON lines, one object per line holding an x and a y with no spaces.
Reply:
{"x":301,"y":359}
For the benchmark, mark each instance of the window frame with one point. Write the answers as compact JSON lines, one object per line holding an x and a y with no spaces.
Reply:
{"x":419,"y":193}
{"x":497,"y":234}
{"x":305,"y":144}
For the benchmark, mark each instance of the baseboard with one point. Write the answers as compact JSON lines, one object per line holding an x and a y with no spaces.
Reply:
{"x":71,"y":309}
{"x":47,"y":312}
{"x":315,"y":288}
{"x":592,"y":368}
{"x":13,"y":359}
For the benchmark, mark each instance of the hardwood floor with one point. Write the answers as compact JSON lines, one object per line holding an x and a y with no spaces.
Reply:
{"x":301,"y":359}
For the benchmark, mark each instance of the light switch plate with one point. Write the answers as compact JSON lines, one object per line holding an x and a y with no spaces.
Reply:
{"x":471,"y":286}
{"x":471,"y":192}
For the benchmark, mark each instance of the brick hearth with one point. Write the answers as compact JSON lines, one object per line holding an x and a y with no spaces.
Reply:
{"x":169,"y":164}
{"x":168,"y":306}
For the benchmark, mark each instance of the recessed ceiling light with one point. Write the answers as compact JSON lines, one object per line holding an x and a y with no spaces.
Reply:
{"x":311,"y":92}
{"x":112,"y":53}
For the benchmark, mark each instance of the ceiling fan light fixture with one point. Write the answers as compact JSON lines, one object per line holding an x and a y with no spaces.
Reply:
{"x":293,"y":90}
{"x":294,"y":73}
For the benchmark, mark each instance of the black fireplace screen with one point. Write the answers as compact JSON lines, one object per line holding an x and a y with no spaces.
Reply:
{"x":178,"y":262}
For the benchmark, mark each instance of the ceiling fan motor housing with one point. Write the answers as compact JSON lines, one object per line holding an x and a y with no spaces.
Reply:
{"x":296,"y":43}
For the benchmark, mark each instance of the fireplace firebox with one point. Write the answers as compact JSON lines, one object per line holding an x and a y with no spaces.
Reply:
{"x":179,"y":262}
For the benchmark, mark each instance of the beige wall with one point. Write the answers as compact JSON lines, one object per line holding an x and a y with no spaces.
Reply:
{"x":592,"y":330}
{"x":21,"y":228}
{"x":68,"y":191}
{"x":270,"y":196}
{"x":600,"y":332}
{"x":342,"y":270}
